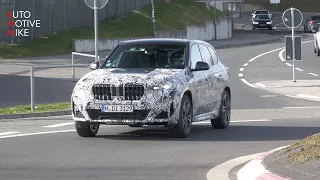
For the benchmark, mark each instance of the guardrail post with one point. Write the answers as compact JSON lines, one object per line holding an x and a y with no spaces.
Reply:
{"x":32,"y":88}
{"x":73,"y":72}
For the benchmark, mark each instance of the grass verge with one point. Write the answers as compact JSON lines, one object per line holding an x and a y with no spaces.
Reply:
{"x":303,"y":6}
{"x":175,"y":15}
{"x":24,"y":109}
{"x":305,"y":150}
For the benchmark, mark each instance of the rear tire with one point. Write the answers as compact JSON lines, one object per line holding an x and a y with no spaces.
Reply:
{"x":87,"y":130}
{"x":183,"y":127}
{"x":223,"y":121}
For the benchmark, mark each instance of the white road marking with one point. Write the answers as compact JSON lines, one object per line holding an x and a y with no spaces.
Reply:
{"x":236,"y":121}
{"x":308,"y":96}
{"x":247,"y":83}
{"x":60,"y":125}
{"x":288,"y":64}
{"x":298,"y":69}
{"x":39,"y":133}
{"x":246,"y":64}
{"x":302,"y":107}
{"x":269,"y":96}
{"x":241,"y":69}
{"x":255,"y":168}
{"x":265,"y":54}
{"x":300,"y":97}
{"x":281,"y":55}
{"x":313,"y":74}
{"x":240,"y":75}
{"x":7,"y":133}
{"x":221,"y":172}
{"x":261,"y":85}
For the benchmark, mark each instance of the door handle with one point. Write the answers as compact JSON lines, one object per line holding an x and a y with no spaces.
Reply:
{"x":220,"y":75}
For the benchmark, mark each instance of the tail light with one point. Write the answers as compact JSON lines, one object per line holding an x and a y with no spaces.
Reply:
{"x":312,"y":22}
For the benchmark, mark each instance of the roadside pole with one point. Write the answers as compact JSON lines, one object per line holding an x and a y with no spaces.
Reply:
{"x":293,"y":18}
{"x":95,"y":5}
{"x":293,"y":46}
{"x":215,"y":19}
{"x":153,"y":20}
{"x":95,"y":9}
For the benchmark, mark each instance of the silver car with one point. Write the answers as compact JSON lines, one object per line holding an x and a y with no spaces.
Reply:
{"x":169,"y":82}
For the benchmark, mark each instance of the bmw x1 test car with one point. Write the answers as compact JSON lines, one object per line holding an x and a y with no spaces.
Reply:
{"x":169,"y":82}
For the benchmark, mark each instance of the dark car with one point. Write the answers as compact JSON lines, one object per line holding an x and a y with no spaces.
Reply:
{"x":262,"y":21}
{"x":312,"y":24}
{"x":170,"y":82}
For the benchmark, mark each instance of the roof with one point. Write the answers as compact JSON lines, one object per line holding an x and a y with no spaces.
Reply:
{"x":157,"y":40}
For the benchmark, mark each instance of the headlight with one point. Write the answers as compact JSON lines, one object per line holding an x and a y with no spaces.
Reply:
{"x":255,"y":22}
{"x":166,"y":86}
{"x":269,"y":22}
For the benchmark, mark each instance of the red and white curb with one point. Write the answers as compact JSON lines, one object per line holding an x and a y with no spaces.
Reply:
{"x":255,"y":170}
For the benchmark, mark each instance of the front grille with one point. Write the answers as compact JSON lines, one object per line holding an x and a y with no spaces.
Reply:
{"x":135,"y":115}
{"x":125,"y":92}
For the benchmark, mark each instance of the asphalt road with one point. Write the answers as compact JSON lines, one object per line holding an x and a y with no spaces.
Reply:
{"x":120,"y":152}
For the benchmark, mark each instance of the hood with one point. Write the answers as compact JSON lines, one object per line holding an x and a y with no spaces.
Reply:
{"x":119,"y":76}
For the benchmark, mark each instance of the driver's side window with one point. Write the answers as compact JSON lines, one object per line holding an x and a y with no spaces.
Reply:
{"x":195,"y":55}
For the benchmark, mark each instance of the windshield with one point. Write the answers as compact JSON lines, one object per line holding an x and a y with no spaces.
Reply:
{"x":315,"y":17}
{"x":262,"y":17}
{"x":147,"y":56}
{"x":262,"y":12}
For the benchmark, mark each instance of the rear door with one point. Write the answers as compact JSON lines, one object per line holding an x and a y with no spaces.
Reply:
{"x":197,"y":81}
{"x":221,"y":75}
{"x":210,"y":87}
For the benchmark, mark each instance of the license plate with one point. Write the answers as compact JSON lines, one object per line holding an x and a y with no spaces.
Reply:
{"x":262,"y":24}
{"x":117,"y":108}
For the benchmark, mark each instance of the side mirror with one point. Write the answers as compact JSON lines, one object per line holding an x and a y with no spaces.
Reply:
{"x":201,"y":66}
{"x":94,"y":65}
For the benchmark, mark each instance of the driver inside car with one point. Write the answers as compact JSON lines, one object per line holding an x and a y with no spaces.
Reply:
{"x":177,"y":58}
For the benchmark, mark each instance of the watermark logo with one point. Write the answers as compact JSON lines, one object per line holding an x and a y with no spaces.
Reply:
{"x":19,"y":23}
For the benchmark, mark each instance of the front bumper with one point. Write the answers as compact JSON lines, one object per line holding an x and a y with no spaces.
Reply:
{"x":262,"y":25}
{"x":160,"y":108}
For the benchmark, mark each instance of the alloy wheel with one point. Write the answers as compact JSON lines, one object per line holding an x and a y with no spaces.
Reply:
{"x":186,"y":115}
{"x":226,"y":109}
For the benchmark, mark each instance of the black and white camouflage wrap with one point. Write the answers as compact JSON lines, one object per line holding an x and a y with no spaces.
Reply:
{"x":206,"y":93}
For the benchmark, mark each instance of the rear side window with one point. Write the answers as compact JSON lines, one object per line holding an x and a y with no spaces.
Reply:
{"x":213,"y":54}
{"x":206,"y":56}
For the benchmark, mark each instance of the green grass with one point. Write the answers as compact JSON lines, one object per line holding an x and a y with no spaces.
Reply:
{"x":22,"y":109}
{"x":302,"y":5}
{"x":175,"y":15}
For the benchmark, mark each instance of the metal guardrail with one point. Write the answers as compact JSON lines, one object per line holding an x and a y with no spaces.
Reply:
{"x":80,"y":54}
{"x":32,"y":68}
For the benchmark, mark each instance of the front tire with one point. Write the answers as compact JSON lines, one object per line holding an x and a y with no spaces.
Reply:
{"x":87,"y":130}
{"x":223,"y":121}
{"x":183,"y":127}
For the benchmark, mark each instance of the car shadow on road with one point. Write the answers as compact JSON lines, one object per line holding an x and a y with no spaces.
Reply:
{"x":207,"y":133}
